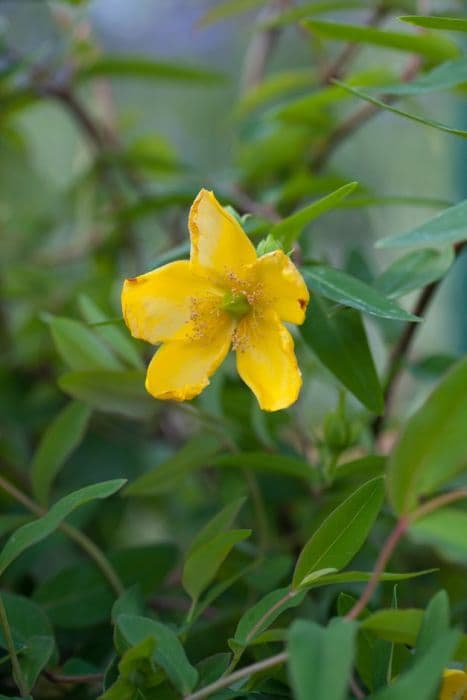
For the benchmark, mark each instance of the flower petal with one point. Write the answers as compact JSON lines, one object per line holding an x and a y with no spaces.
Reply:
{"x":217,"y":239}
{"x":266,"y":361}
{"x":454,"y":683}
{"x":283,"y":288}
{"x":158,"y":304}
{"x":180,"y":369}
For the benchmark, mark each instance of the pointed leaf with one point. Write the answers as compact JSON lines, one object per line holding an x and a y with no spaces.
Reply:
{"x":450,"y":226}
{"x":452,"y":24}
{"x":414,"y":270}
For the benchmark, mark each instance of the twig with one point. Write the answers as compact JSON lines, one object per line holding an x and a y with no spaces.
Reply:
{"x":86,"y":544}
{"x":60,"y":678}
{"x":224,"y":682}
{"x":17,"y":672}
{"x":385,"y":554}
{"x":438,"y":502}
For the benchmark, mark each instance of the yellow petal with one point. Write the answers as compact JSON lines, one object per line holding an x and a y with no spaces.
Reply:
{"x":180,"y":369}
{"x":217,"y":239}
{"x":454,"y":686}
{"x":158,"y":304}
{"x":266,"y":361}
{"x":283,"y":288}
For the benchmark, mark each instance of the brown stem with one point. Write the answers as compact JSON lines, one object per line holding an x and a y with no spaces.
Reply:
{"x":384,"y":556}
{"x":60,"y":678}
{"x":443,"y":500}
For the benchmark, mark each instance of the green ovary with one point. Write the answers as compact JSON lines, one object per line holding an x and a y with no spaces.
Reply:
{"x":236,"y":305}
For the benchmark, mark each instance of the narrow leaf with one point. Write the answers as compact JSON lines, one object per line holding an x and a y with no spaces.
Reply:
{"x":444,"y":77}
{"x":79,"y":347}
{"x":452,"y":24}
{"x":221,"y":522}
{"x":134,"y":66}
{"x":449,"y":226}
{"x":414,"y":270}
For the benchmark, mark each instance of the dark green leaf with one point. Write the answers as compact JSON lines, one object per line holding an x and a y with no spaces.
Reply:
{"x":320,"y":659}
{"x":350,"y":291}
{"x":452,"y":24}
{"x":268,"y":462}
{"x":134,"y":66}
{"x":35,"y":655}
{"x":338,"y":338}
{"x":414,"y":270}
{"x":444,"y":529}
{"x":122,"y":392}
{"x":26,"y":620}
{"x":34,"y":532}
{"x":79,"y":347}
{"x":341,"y":534}
{"x":433,"y":47}
{"x":221,"y":522}
{"x":450,"y":226}
{"x":202,"y":565}
{"x":431,"y":449}
{"x":62,"y":436}
{"x":197,"y":453}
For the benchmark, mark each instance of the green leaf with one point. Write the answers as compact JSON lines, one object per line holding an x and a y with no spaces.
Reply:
{"x":423,"y":678}
{"x":39,"y":529}
{"x":79,"y":347}
{"x":60,"y":439}
{"x":258,"y":618}
{"x":11,"y":522}
{"x":228,"y":8}
{"x":134,"y":66}
{"x":202,"y":565}
{"x":443,"y":529}
{"x":369,"y":466}
{"x":393,"y":625}
{"x":168,"y":654}
{"x":26,"y":620}
{"x":452,"y":24}
{"x":320,"y":659}
{"x":197,"y":453}
{"x":414,"y":270}
{"x":121,"y":392}
{"x":35,"y":655}
{"x":342,"y":533}
{"x":272,"y":87}
{"x":78,"y":596}
{"x":131,"y":602}
{"x":443,"y":77}
{"x":338,"y":338}
{"x":434,"y":624}
{"x":268,"y":462}
{"x":431,"y":448}
{"x":115,"y":337}
{"x":221,"y":522}
{"x":395,"y":110}
{"x":433,"y":47}
{"x":290,"y":228}
{"x":350,"y":291}
{"x":313,"y":8}
{"x":363,"y":576}
{"x":450,"y":226}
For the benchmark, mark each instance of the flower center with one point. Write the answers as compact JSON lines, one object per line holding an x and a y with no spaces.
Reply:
{"x":236,"y":304}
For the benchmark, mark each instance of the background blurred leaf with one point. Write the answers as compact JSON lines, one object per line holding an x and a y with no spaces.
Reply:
{"x":453,"y":24}
{"x":62,"y":436}
{"x":444,"y":530}
{"x":79,"y":347}
{"x":142,"y":67}
{"x":228,"y":8}
{"x":414,"y":270}
{"x":447,"y":227}
{"x":445,"y":76}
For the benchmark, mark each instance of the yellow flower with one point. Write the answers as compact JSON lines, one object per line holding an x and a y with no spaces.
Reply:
{"x":223,"y":296}
{"x":454,"y":686}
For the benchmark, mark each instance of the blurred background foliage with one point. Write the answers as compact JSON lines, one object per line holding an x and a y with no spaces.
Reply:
{"x":112,"y":116}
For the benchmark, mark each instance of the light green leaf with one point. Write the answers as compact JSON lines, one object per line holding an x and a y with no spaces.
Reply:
{"x":431,"y":449}
{"x":443,"y":77}
{"x":228,"y":8}
{"x":414,"y":270}
{"x":79,"y":347}
{"x":62,"y":436}
{"x":309,"y":9}
{"x":423,"y":678}
{"x":168,"y":654}
{"x":449,"y":226}
{"x":115,"y":337}
{"x":39,"y":529}
{"x":350,"y":291}
{"x":342,"y":533}
{"x":261,"y":616}
{"x":452,"y":24}
{"x":435,"y":623}
{"x":142,"y":67}
{"x":401,"y":112}
{"x":289,"y":229}
{"x":112,"y":392}
{"x":268,"y":462}
{"x":197,"y":453}
{"x":202,"y":565}
{"x":328,"y":579}
{"x":433,"y":47}
{"x":272,"y":87}
{"x":443,"y":529}
{"x":320,"y":659}
{"x":338,"y":338}
{"x":221,"y":522}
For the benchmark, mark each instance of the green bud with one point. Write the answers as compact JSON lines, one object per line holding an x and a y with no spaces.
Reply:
{"x":237,"y":305}
{"x":268,"y":245}
{"x":337,"y":432}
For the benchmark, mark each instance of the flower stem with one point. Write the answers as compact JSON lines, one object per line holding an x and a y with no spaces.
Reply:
{"x":82,"y":540}
{"x":225,"y":681}
{"x":17,"y":672}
